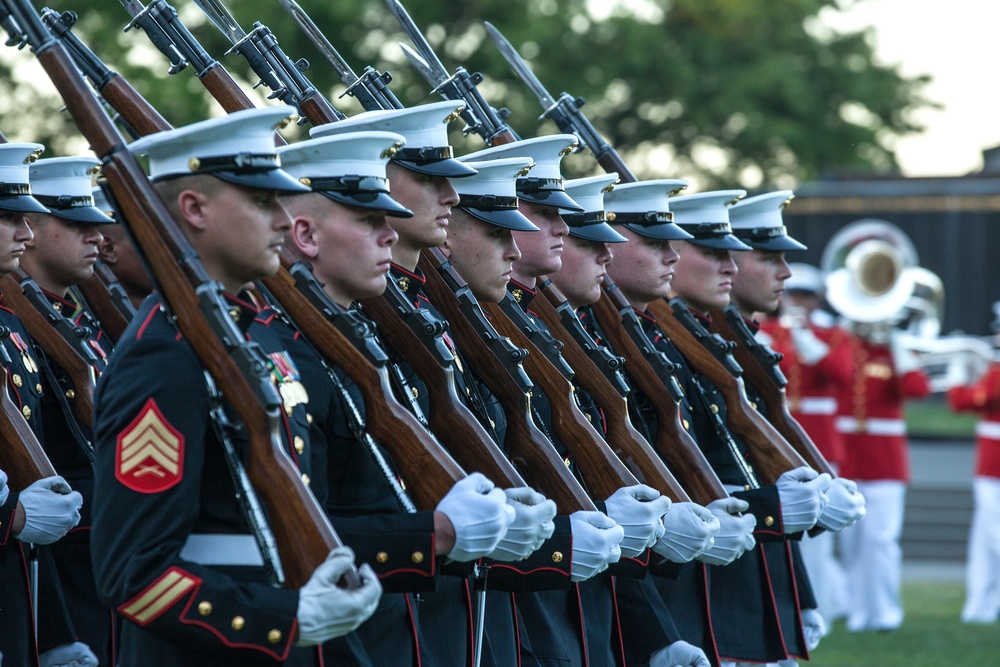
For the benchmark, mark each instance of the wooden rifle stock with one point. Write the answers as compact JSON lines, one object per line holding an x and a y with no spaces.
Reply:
{"x":602,"y":471}
{"x":108,"y":300}
{"x":450,"y":420}
{"x":74,"y":358}
{"x":769,"y":382}
{"x":420,"y":457}
{"x":623,"y":438}
{"x":301,"y":529}
{"x":673,"y":444}
{"x":771,"y":454}
{"x":21,"y":455}
{"x":524,"y":443}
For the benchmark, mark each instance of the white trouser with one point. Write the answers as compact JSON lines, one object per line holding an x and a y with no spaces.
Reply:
{"x":982,"y":573}
{"x":873,"y":559}
{"x":826,"y":574}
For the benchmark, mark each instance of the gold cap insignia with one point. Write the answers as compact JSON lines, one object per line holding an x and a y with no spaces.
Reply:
{"x":787,"y":201}
{"x":569,"y":149}
{"x":676,"y":190}
{"x":95,"y":170}
{"x":35,"y":154}
{"x":610,"y":187}
{"x":284,"y":122}
{"x":734,"y":200}
{"x":524,"y":172}
{"x":392,"y":150}
{"x":454,"y":115}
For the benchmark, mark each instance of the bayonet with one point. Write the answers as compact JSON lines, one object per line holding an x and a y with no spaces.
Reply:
{"x":145,"y":20}
{"x":565,"y":111}
{"x":371,"y":88}
{"x":277,"y":71}
{"x":479,"y":116}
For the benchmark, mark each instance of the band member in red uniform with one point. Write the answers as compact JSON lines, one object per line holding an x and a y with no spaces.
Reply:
{"x":982,"y":579}
{"x":870,"y":417}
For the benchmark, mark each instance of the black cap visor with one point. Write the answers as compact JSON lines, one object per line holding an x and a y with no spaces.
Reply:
{"x":277,"y":180}
{"x":375,"y":200}
{"x":592,"y":226}
{"x":506,"y":218}
{"x":667,"y":231}
{"x":22,"y":204}
{"x":448,"y":168}
{"x":531,"y":190}
{"x":83,"y":215}
{"x":719,"y":242}
{"x":772,"y":238}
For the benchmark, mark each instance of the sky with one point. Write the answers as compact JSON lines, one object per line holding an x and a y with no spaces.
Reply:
{"x":956,"y":43}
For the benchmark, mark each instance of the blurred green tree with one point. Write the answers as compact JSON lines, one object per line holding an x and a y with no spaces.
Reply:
{"x":724,"y":92}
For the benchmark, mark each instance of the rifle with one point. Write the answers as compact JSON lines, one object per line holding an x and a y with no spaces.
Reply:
{"x":418,"y":340}
{"x":276,"y":70}
{"x":332,"y":330}
{"x":371,"y":89}
{"x":238,"y":367}
{"x":498,"y":363}
{"x":479,"y":116}
{"x":164,"y":29}
{"x":624,"y":440}
{"x":601,"y":470}
{"x":710,"y":356}
{"x":760,"y":367}
{"x":21,"y":455}
{"x":109,"y":301}
{"x":653,"y":375}
{"x":60,"y":339}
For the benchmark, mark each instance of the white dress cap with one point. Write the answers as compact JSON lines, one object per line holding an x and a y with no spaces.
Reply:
{"x":490,"y":194}
{"x":64,"y":186}
{"x":347,"y":168}
{"x":545,"y":184}
{"x":15,"y":190}
{"x":425,"y":128}
{"x":238,"y":148}
{"x":644,"y":208}
{"x":805,"y":278}
{"x":705,"y":215}
{"x":592,"y":223}
{"x":757,"y":221}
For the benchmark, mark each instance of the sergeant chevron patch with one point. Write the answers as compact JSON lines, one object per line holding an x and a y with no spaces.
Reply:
{"x":150,"y":453}
{"x":159,"y":596}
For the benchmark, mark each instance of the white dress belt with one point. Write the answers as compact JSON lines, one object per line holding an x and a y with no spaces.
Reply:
{"x":222,"y":549}
{"x":873,"y":426}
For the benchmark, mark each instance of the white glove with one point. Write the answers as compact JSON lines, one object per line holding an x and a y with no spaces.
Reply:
{"x":4,"y":491}
{"x":326,"y":610}
{"x":903,"y":359}
{"x":846,"y":505}
{"x":596,"y":543}
{"x":532,"y":525}
{"x":813,"y":628}
{"x":76,"y":654}
{"x":639,"y":511}
{"x":809,"y":349}
{"x":679,"y":654}
{"x":480,"y":515}
{"x":802,"y":493}
{"x":690,"y":530}
{"x":51,"y":509}
{"x":735,"y":532}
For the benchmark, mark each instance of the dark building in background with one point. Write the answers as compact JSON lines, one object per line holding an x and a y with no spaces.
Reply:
{"x":954,"y":223}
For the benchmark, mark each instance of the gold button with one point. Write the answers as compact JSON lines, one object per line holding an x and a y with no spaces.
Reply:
{"x":38,"y":387}
{"x":714,"y":408}
{"x":16,"y":379}
{"x":589,"y":417}
{"x":274,"y":636}
{"x":238,"y":623}
{"x":415,"y":392}
{"x":568,"y":462}
{"x":769,"y":521}
{"x":70,"y":394}
{"x":305,"y":479}
{"x":26,"y":411}
{"x":381,"y":557}
{"x":417,"y":557}
{"x":300,"y":444}
{"x":753,"y":404}
{"x":309,"y":418}
{"x":685,"y":424}
{"x":205,"y":608}
{"x":746,"y":487}
{"x":557,"y":557}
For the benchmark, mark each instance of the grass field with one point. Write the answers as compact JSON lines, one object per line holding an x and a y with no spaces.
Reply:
{"x":931,"y":636}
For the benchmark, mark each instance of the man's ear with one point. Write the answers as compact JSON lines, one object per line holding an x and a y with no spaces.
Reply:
{"x":445,"y":249}
{"x":305,"y":236}
{"x":192,"y":205}
{"x":106,"y":251}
